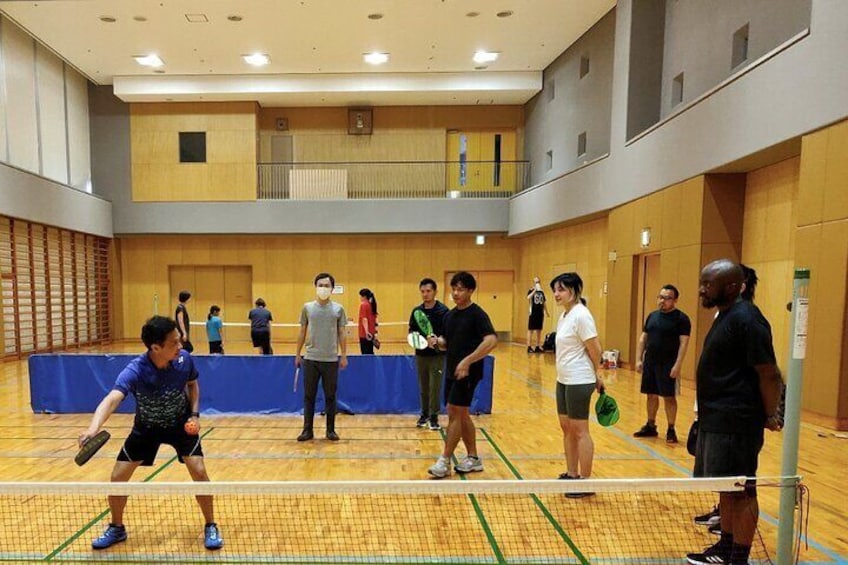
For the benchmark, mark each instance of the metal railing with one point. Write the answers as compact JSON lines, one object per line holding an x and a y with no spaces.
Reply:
{"x":379,"y":180}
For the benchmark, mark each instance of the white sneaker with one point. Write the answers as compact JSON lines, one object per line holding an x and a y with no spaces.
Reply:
{"x":440,"y":469}
{"x":469,"y":464}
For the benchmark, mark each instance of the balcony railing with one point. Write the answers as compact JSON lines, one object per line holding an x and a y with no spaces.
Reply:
{"x":412,"y":179}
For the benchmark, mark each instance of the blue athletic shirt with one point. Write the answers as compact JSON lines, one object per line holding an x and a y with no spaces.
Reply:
{"x":213,"y":328}
{"x":161,"y":401}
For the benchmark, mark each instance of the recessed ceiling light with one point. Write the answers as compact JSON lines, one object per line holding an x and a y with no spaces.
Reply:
{"x":472,"y":14}
{"x":140,"y":18}
{"x":375,"y":58}
{"x":257,"y":59}
{"x":504,"y":14}
{"x":235,"y":18}
{"x":151,"y":60}
{"x":108,"y":19}
{"x":481,"y":57}
{"x":375,"y":16}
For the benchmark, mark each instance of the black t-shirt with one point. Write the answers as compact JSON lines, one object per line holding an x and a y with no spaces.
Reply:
{"x":664,"y":330}
{"x":728,"y":386}
{"x":464,"y":332}
{"x":436,"y":315}
{"x":186,"y":321}
{"x":537,"y":302}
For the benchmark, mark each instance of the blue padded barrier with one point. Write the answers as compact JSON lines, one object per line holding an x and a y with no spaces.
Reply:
{"x":242,"y":384}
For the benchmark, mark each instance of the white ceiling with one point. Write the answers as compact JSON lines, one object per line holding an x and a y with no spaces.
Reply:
{"x":315,"y":46}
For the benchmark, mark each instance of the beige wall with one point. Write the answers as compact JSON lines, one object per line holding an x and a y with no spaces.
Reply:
{"x":230,"y":169}
{"x":284,"y":267}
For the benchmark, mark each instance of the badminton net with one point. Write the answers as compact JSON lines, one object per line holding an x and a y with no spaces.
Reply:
{"x":646,"y":521}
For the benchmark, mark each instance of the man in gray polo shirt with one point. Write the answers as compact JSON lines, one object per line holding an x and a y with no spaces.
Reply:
{"x":325,"y":322}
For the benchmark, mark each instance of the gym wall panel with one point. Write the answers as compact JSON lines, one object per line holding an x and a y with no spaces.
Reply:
{"x":50,"y":82}
{"x":229,"y":173}
{"x":284,"y":267}
{"x":79,"y":138}
{"x":812,"y":177}
{"x":836,"y":178}
{"x":19,"y":65}
{"x":585,"y":246}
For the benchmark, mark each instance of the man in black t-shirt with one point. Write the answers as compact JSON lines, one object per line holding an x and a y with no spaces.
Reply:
{"x":469,"y":336}
{"x":738,"y":389}
{"x":429,"y":362}
{"x":659,"y":357}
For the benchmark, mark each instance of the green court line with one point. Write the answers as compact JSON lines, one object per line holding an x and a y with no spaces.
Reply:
{"x":479,"y":511}
{"x":81,"y":531}
{"x":554,"y":522}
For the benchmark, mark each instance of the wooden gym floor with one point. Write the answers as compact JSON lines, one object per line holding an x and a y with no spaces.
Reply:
{"x":520,"y":439}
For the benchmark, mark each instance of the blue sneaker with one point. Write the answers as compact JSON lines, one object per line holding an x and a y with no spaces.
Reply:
{"x":212,"y":537}
{"x":113,"y":534}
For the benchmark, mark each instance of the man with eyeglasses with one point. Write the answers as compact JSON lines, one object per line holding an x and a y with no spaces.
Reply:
{"x":659,"y":357}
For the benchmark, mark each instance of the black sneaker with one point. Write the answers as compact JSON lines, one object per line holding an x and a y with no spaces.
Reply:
{"x":715,"y":529}
{"x":713,"y":555}
{"x":305,"y":435}
{"x":539,"y":350}
{"x":648,"y":430}
{"x":332,"y":435}
{"x":422,"y":422}
{"x":529,"y":349}
{"x":671,"y":436}
{"x":711,"y":518}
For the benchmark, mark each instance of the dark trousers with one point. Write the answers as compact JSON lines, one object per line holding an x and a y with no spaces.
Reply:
{"x":366,"y":346}
{"x":328,"y":373}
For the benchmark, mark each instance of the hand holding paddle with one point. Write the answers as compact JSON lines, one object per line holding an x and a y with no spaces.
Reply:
{"x":89,"y":445}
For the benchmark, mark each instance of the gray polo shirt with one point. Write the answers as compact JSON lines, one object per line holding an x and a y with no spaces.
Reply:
{"x":322,"y":323}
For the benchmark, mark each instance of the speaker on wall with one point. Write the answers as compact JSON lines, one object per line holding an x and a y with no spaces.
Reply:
{"x":359,"y":121}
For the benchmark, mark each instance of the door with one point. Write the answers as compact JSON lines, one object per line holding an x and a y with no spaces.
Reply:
{"x":481,"y":161}
{"x":647,"y":286}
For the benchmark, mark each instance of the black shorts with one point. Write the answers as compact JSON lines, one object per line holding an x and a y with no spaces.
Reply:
{"x":536,"y":321}
{"x":143,"y":445}
{"x":656,"y":379}
{"x":727,"y":455}
{"x":461,"y":392}
{"x":261,"y":339}
{"x":216,"y":347}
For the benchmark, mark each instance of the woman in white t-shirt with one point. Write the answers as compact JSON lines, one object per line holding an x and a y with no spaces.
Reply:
{"x":578,"y":355}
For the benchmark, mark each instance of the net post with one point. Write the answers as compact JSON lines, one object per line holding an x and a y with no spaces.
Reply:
{"x":792,"y":415}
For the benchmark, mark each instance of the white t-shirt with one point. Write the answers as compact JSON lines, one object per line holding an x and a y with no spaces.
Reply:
{"x":574,"y":366}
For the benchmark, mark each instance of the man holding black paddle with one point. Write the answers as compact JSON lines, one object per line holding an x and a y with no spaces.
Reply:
{"x":164,"y":383}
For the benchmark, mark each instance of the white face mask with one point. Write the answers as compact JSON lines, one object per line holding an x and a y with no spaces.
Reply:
{"x":323,"y":292}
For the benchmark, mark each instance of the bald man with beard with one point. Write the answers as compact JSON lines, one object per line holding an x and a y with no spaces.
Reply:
{"x":738,"y":389}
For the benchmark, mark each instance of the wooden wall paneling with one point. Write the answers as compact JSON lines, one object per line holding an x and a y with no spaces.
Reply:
{"x":811,"y":182}
{"x":238,"y":301}
{"x":723,"y":209}
{"x":208,"y":290}
{"x":836,"y":177}
{"x":495,"y":296}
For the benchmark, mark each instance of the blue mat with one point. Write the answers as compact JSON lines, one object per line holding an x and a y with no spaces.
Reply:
{"x":242,"y":384}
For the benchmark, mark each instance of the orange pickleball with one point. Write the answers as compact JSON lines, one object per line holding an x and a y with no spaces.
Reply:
{"x":192,"y":428}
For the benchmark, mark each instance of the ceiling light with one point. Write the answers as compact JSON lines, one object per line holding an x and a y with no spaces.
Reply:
{"x":108,"y":19}
{"x":376,"y":58}
{"x":481,"y":57}
{"x":235,"y":18}
{"x":480,"y":240}
{"x":504,"y":14}
{"x":472,"y":14}
{"x":375,"y":16}
{"x":257,"y":59}
{"x":151,"y":60}
{"x":140,"y":18}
